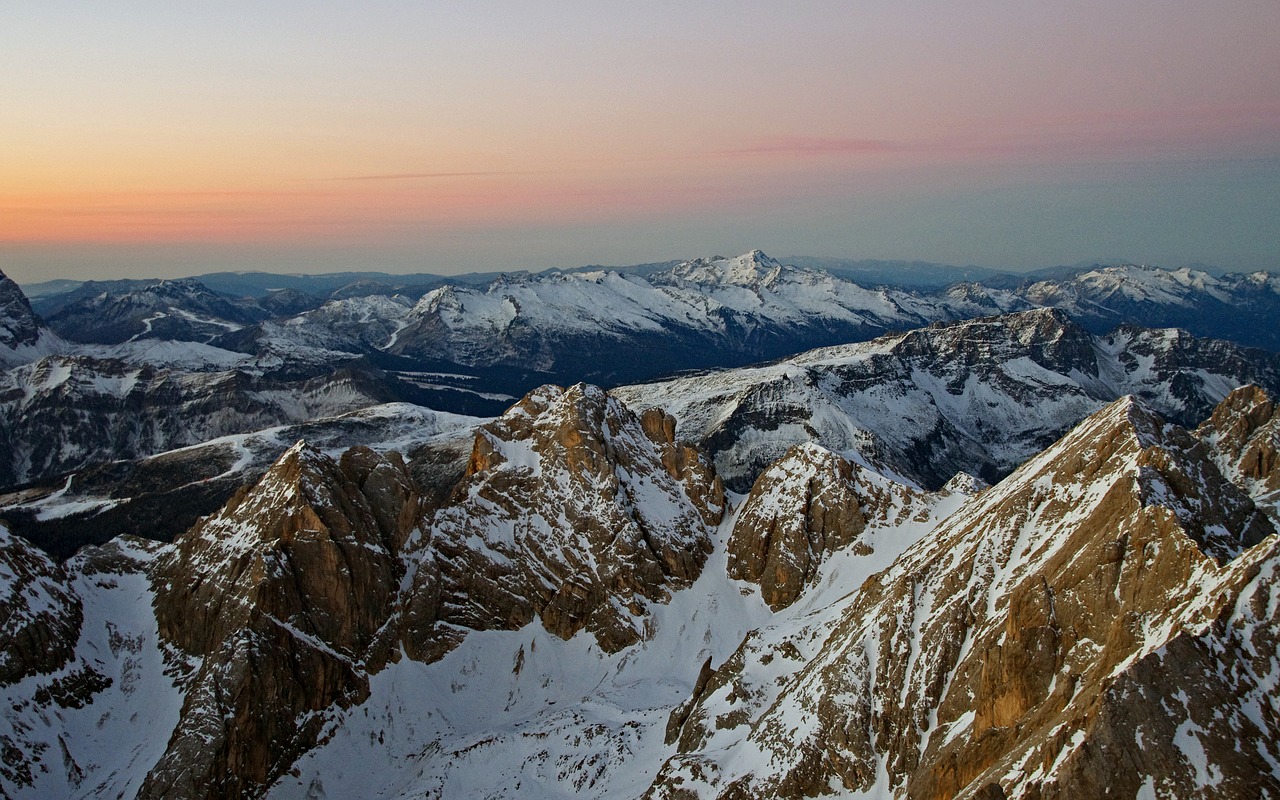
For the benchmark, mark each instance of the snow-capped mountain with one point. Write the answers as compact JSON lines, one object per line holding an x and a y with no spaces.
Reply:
{"x":23,"y":336}
{"x":611,"y":325}
{"x":781,"y":580}
{"x":1240,"y":308}
{"x":718,"y":310}
{"x":63,"y":413}
{"x":979,"y":396}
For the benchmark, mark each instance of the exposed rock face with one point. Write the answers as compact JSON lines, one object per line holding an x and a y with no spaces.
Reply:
{"x":1244,"y":431}
{"x":23,"y":336}
{"x":686,"y":464}
{"x":573,"y":511}
{"x":280,"y":601}
{"x":40,"y":616}
{"x":18,"y":323}
{"x":805,"y":505}
{"x":979,"y":396}
{"x":1033,"y":647}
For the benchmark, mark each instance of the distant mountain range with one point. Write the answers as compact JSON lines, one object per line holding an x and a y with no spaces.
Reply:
{"x":868,"y":272}
{"x":201,"y":308}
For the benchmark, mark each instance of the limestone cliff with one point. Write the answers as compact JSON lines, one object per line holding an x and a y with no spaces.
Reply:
{"x":574,"y":511}
{"x":278,"y":604}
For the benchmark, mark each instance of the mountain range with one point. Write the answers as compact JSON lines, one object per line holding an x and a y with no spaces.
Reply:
{"x":984,"y":541}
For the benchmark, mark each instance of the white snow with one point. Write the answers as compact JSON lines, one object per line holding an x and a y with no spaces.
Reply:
{"x":105,"y":748}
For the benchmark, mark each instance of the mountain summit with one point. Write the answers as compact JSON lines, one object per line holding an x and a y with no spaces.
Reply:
{"x":753,"y":269}
{"x":23,"y":336}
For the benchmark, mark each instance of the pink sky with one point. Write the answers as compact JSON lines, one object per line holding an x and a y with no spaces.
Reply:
{"x":161,"y":138}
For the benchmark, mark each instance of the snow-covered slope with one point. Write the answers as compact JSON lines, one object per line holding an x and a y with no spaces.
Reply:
{"x":93,"y":724}
{"x":979,"y":396}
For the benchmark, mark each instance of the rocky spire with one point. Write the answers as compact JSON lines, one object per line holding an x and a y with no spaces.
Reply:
{"x":282,"y":599}
{"x":19,"y":325}
{"x":803,"y":506}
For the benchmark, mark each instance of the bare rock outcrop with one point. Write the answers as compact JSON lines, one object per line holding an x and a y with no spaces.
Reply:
{"x":806,"y":504}
{"x":1244,"y":432}
{"x":40,"y":615}
{"x":573,"y":510}
{"x":278,"y":607}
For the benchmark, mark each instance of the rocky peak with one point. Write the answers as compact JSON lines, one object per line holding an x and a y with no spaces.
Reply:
{"x":572,"y":510}
{"x":19,"y":325}
{"x":998,"y":650}
{"x":302,"y":519}
{"x":803,"y":506}
{"x":1244,"y":432}
{"x":282,"y":599}
{"x":811,"y":503}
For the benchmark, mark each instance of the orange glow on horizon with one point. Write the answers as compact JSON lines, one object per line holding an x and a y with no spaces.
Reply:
{"x":339,"y":210}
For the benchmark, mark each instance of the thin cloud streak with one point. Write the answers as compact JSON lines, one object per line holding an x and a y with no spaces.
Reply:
{"x":406,"y":176}
{"x":817,"y":146}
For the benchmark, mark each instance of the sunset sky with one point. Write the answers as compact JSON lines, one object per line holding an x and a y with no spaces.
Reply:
{"x":171,"y":138}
